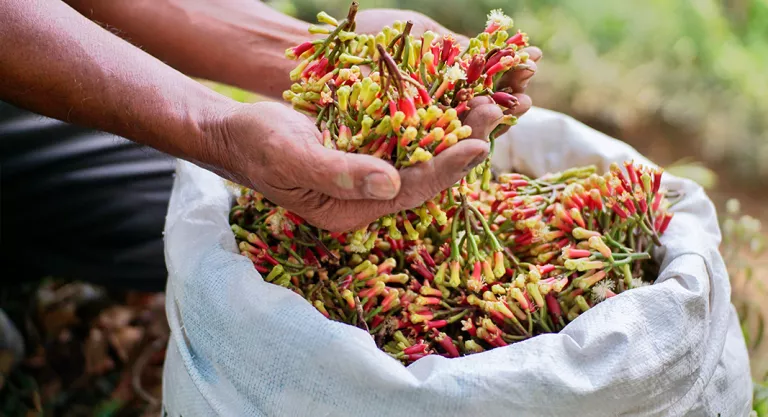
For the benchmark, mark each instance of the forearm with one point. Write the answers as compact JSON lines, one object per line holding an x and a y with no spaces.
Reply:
{"x":57,"y":63}
{"x":237,"y":42}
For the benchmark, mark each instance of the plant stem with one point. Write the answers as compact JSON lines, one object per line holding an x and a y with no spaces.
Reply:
{"x":454,"y":236}
{"x":494,"y":243}
{"x":403,"y":48}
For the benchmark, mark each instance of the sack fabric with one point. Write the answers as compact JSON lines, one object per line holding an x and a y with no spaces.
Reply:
{"x":242,"y":347}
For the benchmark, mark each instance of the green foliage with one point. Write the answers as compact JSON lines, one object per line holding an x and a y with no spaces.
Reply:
{"x":697,"y":65}
{"x":234,"y":93}
{"x":760,"y":401}
{"x":743,"y":244}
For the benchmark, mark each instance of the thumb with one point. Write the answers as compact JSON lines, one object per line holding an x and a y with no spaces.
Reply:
{"x":483,"y":116}
{"x":420,"y":183}
{"x":349,"y":176}
{"x":425,"y":180}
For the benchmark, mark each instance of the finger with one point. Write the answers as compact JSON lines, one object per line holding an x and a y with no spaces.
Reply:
{"x":523,"y":105}
{"x":475,"y":102}
{"x":424,"y":181}
{"x":420,"y":183}
{"x":521,"y":77}
{"x":479,"y":101}
{"x":345,"y":176}
{"x":483,"y":117}
{"x":534,"y":53}
{"x":518,"y":79}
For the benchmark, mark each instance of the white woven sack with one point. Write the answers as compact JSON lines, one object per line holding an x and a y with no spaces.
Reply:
{"x":242,"y":347}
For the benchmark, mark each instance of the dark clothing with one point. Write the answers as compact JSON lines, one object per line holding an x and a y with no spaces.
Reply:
{"x":80,"y":204}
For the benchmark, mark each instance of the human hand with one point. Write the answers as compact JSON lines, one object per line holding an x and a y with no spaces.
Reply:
{"x":373,"y":21}
{"x":278,"y":152}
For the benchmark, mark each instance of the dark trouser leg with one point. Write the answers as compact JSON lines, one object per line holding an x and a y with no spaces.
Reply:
{"x":80,"y":204}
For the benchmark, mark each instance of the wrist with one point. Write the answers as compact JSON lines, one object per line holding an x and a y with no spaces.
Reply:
{"x":236,"y":42}
{"x":198,"y":132}
{"x":237,"y":140}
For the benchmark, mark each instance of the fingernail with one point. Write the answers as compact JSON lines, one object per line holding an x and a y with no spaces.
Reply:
{"x":379,"y":186}
{"x":475,"y":162}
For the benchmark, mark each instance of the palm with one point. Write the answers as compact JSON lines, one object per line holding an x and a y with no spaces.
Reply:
{"x":279,"y":153}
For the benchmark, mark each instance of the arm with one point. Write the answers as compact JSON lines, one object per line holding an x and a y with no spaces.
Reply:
{"x":236,"y":42}
{"x":57,"y":63}
{"x":242,"y":42}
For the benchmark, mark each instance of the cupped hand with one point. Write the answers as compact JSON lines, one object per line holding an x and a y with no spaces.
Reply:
{"x":278,"y":152}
